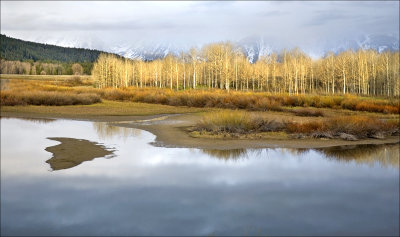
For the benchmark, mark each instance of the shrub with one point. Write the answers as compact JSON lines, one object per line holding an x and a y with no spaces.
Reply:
{"x":237,"y":122}
{"x":327,"y":102}
{"x":75,"y":80}
{"x":308,"y":112}
{"x":48,"y":98}
{"x":225,"y":121}
{"x":290,"y":101}
{"x":359,"y":126}
{"x":340,"y":127}
{"x":117,"y":94}
{"x":306,"y":128}
{"x":349,"y":103}
{"x":389,"y":109}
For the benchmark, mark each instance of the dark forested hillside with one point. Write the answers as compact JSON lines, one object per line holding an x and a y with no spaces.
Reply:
{"x":15,"y":49}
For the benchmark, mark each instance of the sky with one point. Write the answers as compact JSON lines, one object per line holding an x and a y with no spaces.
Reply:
{"x":107,"y":24}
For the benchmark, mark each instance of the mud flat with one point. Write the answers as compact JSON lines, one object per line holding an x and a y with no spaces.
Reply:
{"x":72,"y":152}
{"x":172,"y":129}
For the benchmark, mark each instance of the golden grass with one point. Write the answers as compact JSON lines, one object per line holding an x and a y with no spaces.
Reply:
{"x":237,"y":122}
{"x":251,"y":101}
{"x":106,"y":108}
{"x":240,"y":122}
{"x":47,"y":98}
{"x":21,"y":92}
{"x":42,"y":77}
{"x":359,"y":126}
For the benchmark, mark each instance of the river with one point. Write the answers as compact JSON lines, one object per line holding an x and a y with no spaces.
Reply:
{"x":146,"y":190}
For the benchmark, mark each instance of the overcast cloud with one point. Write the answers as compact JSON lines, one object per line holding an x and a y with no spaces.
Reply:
{"x":110,"y":23}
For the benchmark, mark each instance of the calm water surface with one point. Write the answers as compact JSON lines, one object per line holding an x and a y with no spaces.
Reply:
{"x":146,"y":190}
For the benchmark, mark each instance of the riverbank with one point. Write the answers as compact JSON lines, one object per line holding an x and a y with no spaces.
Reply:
{"x":173,"y":131}
{"x":172,"y":125}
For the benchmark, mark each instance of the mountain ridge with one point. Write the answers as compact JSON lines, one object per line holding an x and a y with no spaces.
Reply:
{"x":253,"y":47}
{"x":22,"y":50}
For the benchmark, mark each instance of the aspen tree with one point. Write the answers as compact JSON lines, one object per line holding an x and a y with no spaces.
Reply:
{"x":193,"y":54}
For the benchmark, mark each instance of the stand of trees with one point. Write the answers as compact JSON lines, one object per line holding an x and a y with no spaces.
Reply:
{"x":220,"y":65}
{"x":15,"y":49}
{"x":24,"y":57}
{"x":41,"y":68}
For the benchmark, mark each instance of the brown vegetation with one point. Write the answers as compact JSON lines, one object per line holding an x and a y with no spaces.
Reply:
{"x":359,"y":126}
{"x":306,"y":112}
{"x":252,"y":101}
{"x":237,"y":122}
{"x":23,"y":92}
{"x":249,"y":100}
{"x":344,"y":127}
{"x":47,"y":98}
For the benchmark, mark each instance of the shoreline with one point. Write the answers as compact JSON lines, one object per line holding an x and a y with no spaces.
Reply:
{"x":170,"y":131}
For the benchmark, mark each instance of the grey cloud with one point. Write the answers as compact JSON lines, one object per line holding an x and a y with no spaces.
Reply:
{"x":273,"y":13}
{"x":325,"y":17}
{"x":200,"y":21}
{"x":38,"y":24}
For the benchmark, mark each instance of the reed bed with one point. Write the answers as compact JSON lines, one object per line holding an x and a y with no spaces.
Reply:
{"x":345,"y":127}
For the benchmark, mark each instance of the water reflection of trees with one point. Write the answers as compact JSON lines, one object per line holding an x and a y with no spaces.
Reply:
{"x":39,"y":120}
{"x":297,"y":151}
{"x":232,"y":154}
{"x":105,"y":130}
{"x":385,"y":155}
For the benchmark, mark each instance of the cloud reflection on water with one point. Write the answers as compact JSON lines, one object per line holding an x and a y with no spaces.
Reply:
{"x":148,"y":190}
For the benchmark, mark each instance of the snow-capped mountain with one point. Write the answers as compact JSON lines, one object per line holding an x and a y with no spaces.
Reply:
{"x":77,"y":41}
{"x":253,"y":47}
{"x":377,"y":42}
{"x":148,"y":51}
